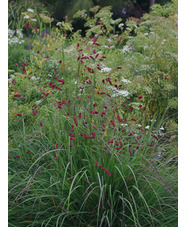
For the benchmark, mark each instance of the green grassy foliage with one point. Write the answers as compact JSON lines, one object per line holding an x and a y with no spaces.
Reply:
{"x":92,"y":127}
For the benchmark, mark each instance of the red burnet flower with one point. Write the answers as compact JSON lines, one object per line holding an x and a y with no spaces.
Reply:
{"x":119,"y":67}
{"x":131,"y":134}
{"x":121,"y":144}
{"x":106,"y":171}
{"x":92,"y":57}
{"x":119,"y":118}
{"x":86,"y":137}
{"x":41,"y":124}
{"x":24,"y":71}
{"x":47,"y":57}
{"x":35,"y":29}
{"x":93,"y":135}
{"x":94,"y":126}
{"x":131,"y":108}
{"x":118,"y":148}
{"x":75,"y":121}
{"x":17,"y":156}
{"x":60,"y":61}
{"x":130,"y":152}
{"x":155,"y":136}
{"x":17,"y":95}
{"x":34,"y":112}
{"x":133,"y":119}
{"x":112,"y":123}
{"x":140,"y":97}
{"x":38,"y":52}
{"x":140,"y":106}
{"x":78,"y":45}
{"x":68,"y":114}
{"x":27,"y":26}
{"x":24,"y":63}
{"x":42,"y":36}
{"x":19,"y":114}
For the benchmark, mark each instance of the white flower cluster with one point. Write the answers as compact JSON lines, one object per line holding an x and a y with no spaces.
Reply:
{"x":19,"y":33}
{"x":126,"y":48}
{"x":58,"y":24}
{"x":30,"y":10}
{"x":26,"y":17}
{"x":14,"y":40}
{"x":10,"y":33}
{"x":38,"y":102}
{"x":34,"y":78}
{"x":69,"y":50}
{"x":106,"y":70}
{"x":125,"y":81}
{"x":118,"y":92}
{"x":120,"y":25}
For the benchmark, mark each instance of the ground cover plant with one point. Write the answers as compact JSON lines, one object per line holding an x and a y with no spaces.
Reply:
{"x":93,"y":121}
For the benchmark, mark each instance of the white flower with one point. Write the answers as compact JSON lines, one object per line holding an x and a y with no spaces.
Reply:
{"x":120,"y":92}
{"x":58,"y":24}
{"x":126,"y":48}
{"x":147,"y":127}
{"x":109,"y":40}
{"x":146,"y":33}
{"x":124,"y":125}
{"x":124,"y":11}
{"x":125,"y":80}
{"x":30,"y":10}
{"x":19,"y":33}
{"x":120,"y":25}
{"x":10,"y":33}
{"x":139,"y":126}
{"x":162,"y":128}
{"x":112,"y":47}
{"x":34,"y":19}
{"x":15,"y":41}
{"x":26,"y":17}
{"x":12,"y":76}
{"x":106,"y":70}
{"x":105,"y":46}
{"x":49,"y":75}
{"x":38,"y":102}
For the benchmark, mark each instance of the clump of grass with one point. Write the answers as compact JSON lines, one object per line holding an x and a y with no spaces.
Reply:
{"x":83,"y":151}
